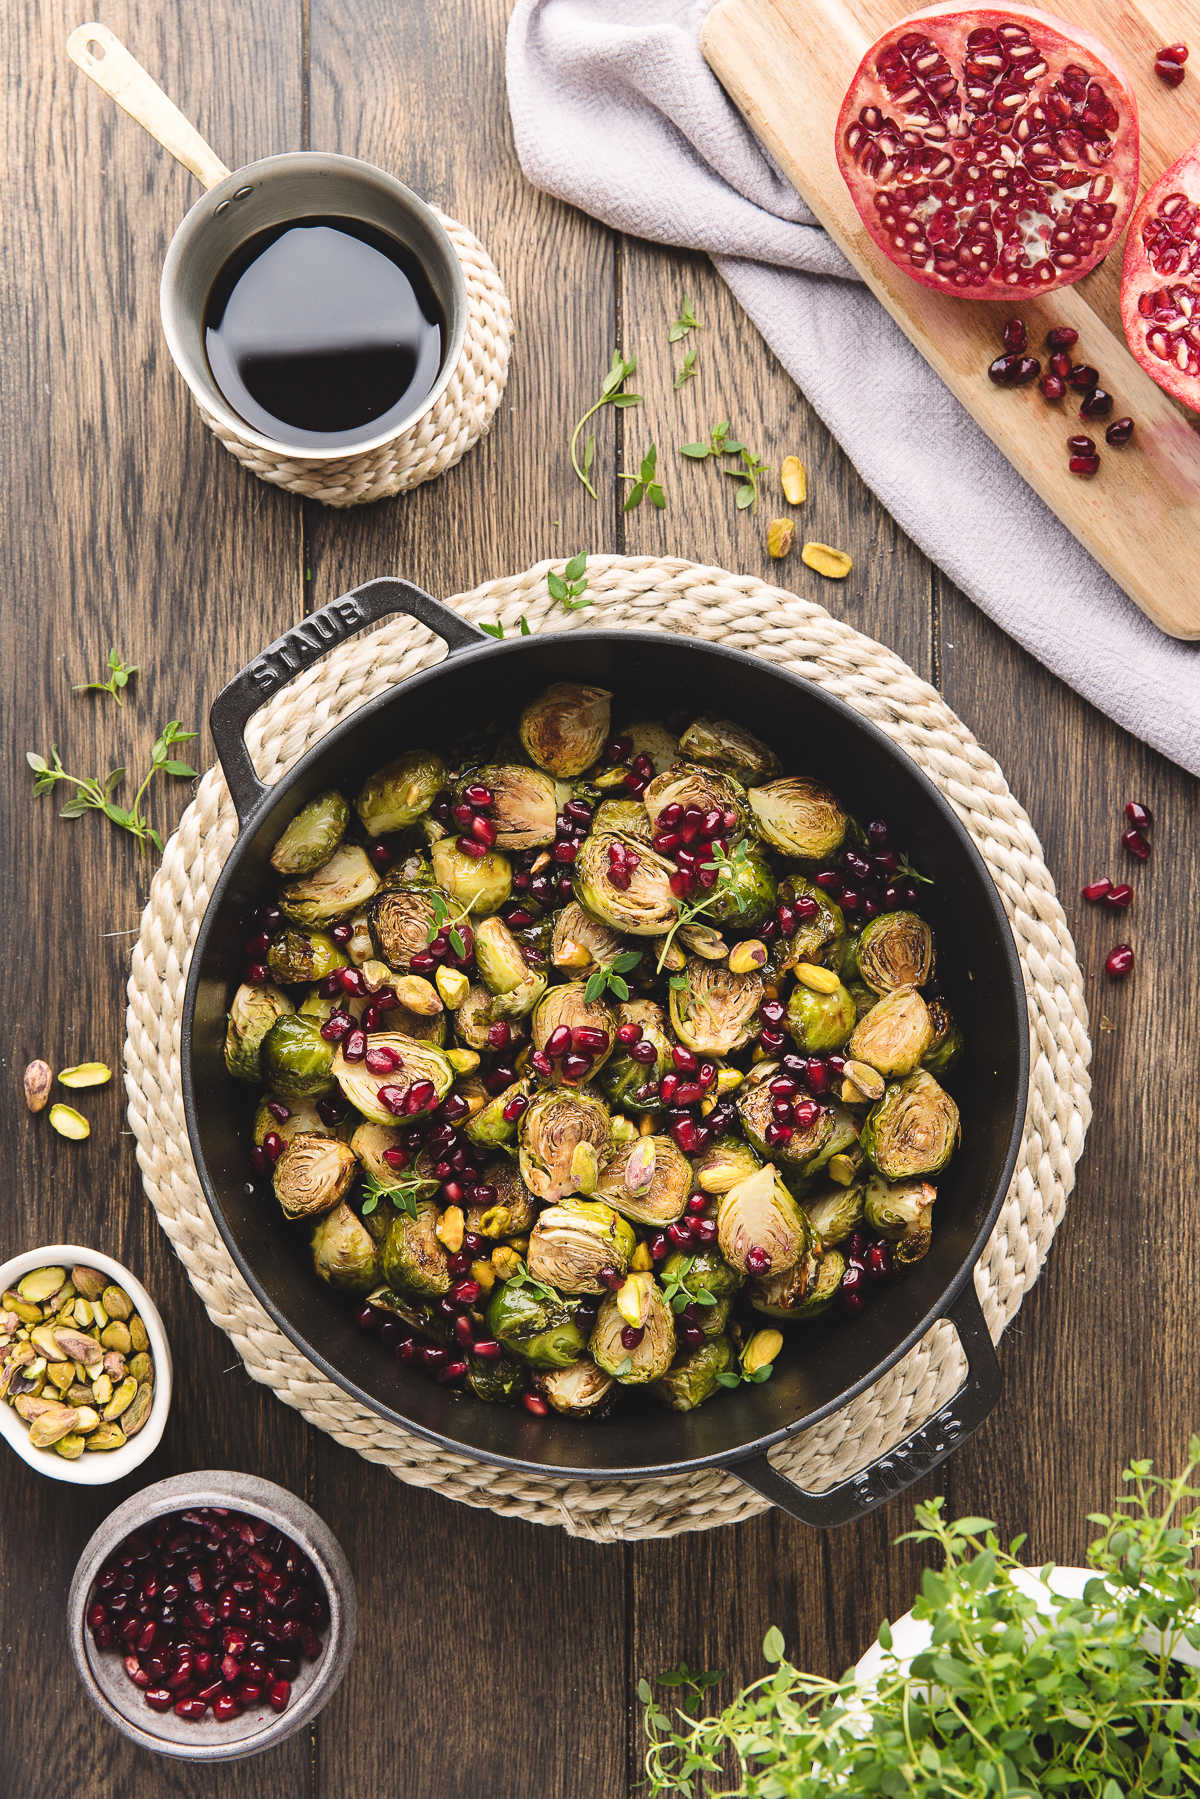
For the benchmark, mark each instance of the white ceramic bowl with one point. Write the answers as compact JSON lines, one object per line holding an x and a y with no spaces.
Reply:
{"x":97,"y":1468}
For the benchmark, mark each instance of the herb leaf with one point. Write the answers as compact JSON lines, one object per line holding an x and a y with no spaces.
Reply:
{"x":687,"y":321}
{"x":405,"y":1193}
{"x":120,"y":673}
{"x":687,"y":371}
{"x":94,"y":793}
{"x":569,"y":587}
{"x":612,"y":393}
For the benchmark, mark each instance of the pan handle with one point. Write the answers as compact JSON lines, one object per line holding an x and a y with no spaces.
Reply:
{"x":912,"y":1458}
{"x":298,"y":649}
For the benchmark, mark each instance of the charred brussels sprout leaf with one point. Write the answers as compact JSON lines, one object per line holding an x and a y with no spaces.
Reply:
{"x":312,"y":1174}
{"x":413,"y":1259}
{"x":820,"y":1021}
{"x":895,"y":1034}
{"x":745,"y":894}
{"x":525,"y":805}
{"x":629,"y":817}
{"x":535,"y":1324}
{"x":301,"y":956}
{"x":396,"y":796}
{"x":344,"y":1253}
{"x":402,"y":922}
{"x":801,"y":1292}
{"x":648,"y":1180}
{"x":634,"y":895}
{"x":894,"y":950}
{"x":724,"y":1165}
{"x":571,"y":1243}
{"x":302,"y":1116}
{"x":647,"y":737}
{"x":818,"y":939}
{"x":648,"y":1359}
{"x":947,"y":1044}
{"x":342,"y":884}
{"x":727,"y":746}
{"x":296,"y":1060}
{"x":760,"y":1228}
{"x":552,"y":1128}
{"x":565,"y":728}
{"x":510,"y":1207}
{"x":385,"y":1097}
{"x":693,"y":1379}
{"x":370,"y":1142}
{"x":799,"y":816}
{"x":488,"y":1126}
{"x":913,"y":1130}
{"x":312,"y":836}
{"x":580,"y":1391}
{"x":514,"y":986}
{"x":252,"y":1012}
{"x":479,"y":884}
{"x":497,"y":1382}
{"x":716,"y":1012}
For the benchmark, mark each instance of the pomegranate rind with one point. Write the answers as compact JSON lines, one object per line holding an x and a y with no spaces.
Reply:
{"x":1155,"y":242}
{"x":1116,"y":156}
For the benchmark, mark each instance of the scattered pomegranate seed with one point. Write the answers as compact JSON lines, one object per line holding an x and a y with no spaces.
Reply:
{"x":1168,"y":64}
{"x":1096,"y":405}
{"x":1015,"y":336}
{"x":1097,"y":890}
{"x":1061,"y":337}
{"x":534,"y":1404}
{"x":757,"y":1260}
{"x":1083,"y":377}
{"x":1119,"y":432}
{"x":1119,"y":897}
{"x":1084,"y":465}
{"x":1136,"y":845}
{"x":1139,"y":816}
{"x":1120,"y":961}
{"x":1003,"y":370}
{"x":1053,"y":387}
{"x":1060,"y":364}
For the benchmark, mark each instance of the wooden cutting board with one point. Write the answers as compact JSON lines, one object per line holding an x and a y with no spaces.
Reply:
{"x":787,"y":63}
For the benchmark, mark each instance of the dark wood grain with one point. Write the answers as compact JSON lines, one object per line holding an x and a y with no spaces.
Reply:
{"x":496,"y":1658}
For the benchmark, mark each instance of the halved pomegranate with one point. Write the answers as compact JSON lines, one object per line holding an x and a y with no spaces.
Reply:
{"x":991,"y":151}
{"x":1160,"y":286}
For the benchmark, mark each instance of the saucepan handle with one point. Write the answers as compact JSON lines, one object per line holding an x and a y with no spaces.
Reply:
{"x":305,"y":644}
{"x":912,"y":1458}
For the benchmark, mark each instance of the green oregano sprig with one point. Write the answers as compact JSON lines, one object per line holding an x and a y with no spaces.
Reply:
{"x":687,"y":321}
{"x":728,"y":864}
{"x":687,"y":371}
{"x":610,"y":976}
{"x":497,"y":630}
{"x":678,"y":1293}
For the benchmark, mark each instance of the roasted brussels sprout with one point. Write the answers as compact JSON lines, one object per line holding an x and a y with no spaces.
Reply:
{"x":819,"y":1021}
{"x":340,"y":885}
{"x":580,"y":1391}
{"x":629,"y":817}
{"x":473,"y":1019}
{"x":693,"y":1379}
{"x":420,"y":1079}
{"x":894,"y":950}
{"x":802,"y":1292}
{"x":489,"y":1126}
{"x":535,"y":1324}
{"x":833,"y":1215}
{"x":302,"y":1115}
{"x":370,"y":1142}
{"x":413,"y":1259}
{"x":820,"y":938}
{"x":480,"y":884}
{"x":641,"y":1306}
{"x":580,"y":942}
{"x":552,"y":1128}
{"x":755,"y":1104}
{"x":590,"y":1021}
{"x":420,"y":1315}
{"x":706,"y":789}
{"x":947,"y":1044}
{"x":252,"y":1012}
{"x":574,"y":1242}
{"x":396,"y":796}
{"x":565,"y":728}
{"x":724,"y":1164}
{"x":298,"y":956}
{"x":799,"y":816}
{"x":496,"y":1382}
{"x":312,"y":1174}
{"x":296,"y":1061}
{"x":510,"y":1208}
{"x":729,"y":747}
{"x":403,"y":921}
{"x":647,"y":737}
{"x":895,"y":1034}
{"x":901,"y":1213}
{"x":648,"y":1180}
{"x":624,"y":883}
{"x":717,"y":1012}
{"x":514,"y":986}
{"x":344,"y":1253}
{"x":841,"y":1140}
{"x":312,"y":836}
{"x":760,"y":1228}
{"x":914,"y":1129}
{"x":745,"y":896}
{"x":524,"y":809}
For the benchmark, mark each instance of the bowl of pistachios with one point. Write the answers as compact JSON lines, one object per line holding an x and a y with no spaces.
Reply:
{"x":85,"y":1367}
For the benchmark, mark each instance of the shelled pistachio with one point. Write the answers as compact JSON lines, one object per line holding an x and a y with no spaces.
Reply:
{"x":64,"y":1340}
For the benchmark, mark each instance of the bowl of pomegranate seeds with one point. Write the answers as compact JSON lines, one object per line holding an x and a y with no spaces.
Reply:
{"x":212,"y":1615}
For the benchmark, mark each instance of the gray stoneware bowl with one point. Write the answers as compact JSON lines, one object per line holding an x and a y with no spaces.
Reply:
{"x":259,"y":1728}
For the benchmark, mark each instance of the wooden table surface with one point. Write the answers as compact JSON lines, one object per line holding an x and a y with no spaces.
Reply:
{"x":496,"y":1660}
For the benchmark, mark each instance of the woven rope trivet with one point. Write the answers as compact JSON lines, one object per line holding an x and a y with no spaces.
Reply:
{"x":457,"y":420}
{"x":638,"y":592}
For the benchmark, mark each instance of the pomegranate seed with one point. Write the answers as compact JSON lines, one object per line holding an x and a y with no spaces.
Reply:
{"x":757,"y":1261}
{"x":499,"y":1035}
{"x":1084,"y":465}
{"x":1083,"y":377}
{"x":1053,"y":387}
{"x":514,"y":1108}
{"x":679,"y":1233}
{"x":1060,"y":365}
{"x":1061,"y":337}
{"x":1015,"y":335}
{"x":1028,"y":369}
{"x":534,"y":1404}
{"x":1136,"y":845}
{"x":352,"y":982}
{"x":488,"y":1349}
{"x":589,"y":1037}
{"x":1119,"y":432}
{"x":192,"y":1709}
{"x":541,"y":1061}
{"x":1119,"y":897}
{"x":1168,"y":64}
{"x":1097,"y":890}
{"x":1003,"y":370}
{"x":575,"y":1068}
{"x":465,"y":1293}
{"x":354,"y":1046}
{"x":1082,"y":446}
{"x":629,"y":1033}
{"x":1139,"y":816}
{"x":1119,"y":962}
{"x":257,"y":974}
{"x":807,"y":1113}
{"x":771,"y":1040}
{"x":159,"y":1699}
{"x":705,"y":1230}
{"x":483,"y":831}
{"x":878,"y":1261}
{"x":278,"y":1694}
{"x":382,"y":1059}
{"x":631,"y":1336}
{"x":1096,"y":405}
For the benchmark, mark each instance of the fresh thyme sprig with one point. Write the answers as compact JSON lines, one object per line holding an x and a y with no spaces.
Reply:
{"x":523,"y":1278}
{"x":612,"y":393}
{"x":609,"y":977}
{"x":687,"y":371}
{"x":442,"y":912}
{"x":748,"y":476}
{"x":687,"y":321}
{"x":569,"y":587}
{"x":120,"y":673}
{"x":677,"y":1291}
{"x":405,"y":1193}
{"x":95,"y":793}
{"x":497,"y":630}
{"x":645,"y":487}
{"x":729,"y":865}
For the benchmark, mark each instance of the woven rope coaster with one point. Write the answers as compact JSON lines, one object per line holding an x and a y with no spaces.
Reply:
{"x":436,"y":442}
{"x":642,"y":593}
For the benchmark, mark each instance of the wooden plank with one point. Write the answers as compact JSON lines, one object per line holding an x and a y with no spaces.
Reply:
{"x":786,"y":64}
{"x":124,"y":523}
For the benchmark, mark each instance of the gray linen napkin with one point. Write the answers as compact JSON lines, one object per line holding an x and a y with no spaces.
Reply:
{"x":615,"y":110}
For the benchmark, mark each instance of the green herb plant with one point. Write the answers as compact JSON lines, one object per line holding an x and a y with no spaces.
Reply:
{"x":95,"y":793}
{"x":569,"y":587}
{"x":120,"y":673}
{"x":748,"y":474}
{"x":645,"y":487}
{"x":610,"y":976}
{"x":523,"y":1278}
{"x":405,"y":1193}
{"x":687,"y":321}
{"x":612,"y":393}
{"x":728,"y":865}
{"x":1008,"y":1702}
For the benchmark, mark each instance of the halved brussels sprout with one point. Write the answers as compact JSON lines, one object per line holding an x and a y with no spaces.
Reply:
{"x":344,"y":1253}
{"x":296,"y":1061}
{"x":833,"y":1215}
{"x":295,"y":956}
{"x":515,"y":986}
{"x":745,"y":895}
{"x":396,"y":796}
{"x":312,"y":1174}
{"x":302,"y":1116}
{"x":496,"y":1382}
{"x":580,"y":1391}
{"x":760,"y":1228}
{"x":724,"y":1164}
{"x":648,"y":737}
{"x":425,"y":1028}
{"x":631,"y":1086}
{"x":717,"y":1012}
{"x":312,"y":836}
{"x":573,"y":1242}
{"x":913,"y":1130}
{"x":842,"y":1140}
{"x":340,"y":885}
{"x":639,"y":900}
{"x":947,"y":1044}
{"x":820,"y":1021}
{"x":629,"y":817}
{"x":895,"y":1034}
{"x":513,"y":1209}
{"x":581,"y":942}
{"x":525,"y":807}
{"x":901,"y":1212}
{"x":474,"y":1018}
{"x":731,"y":748}
{"x":819,"y":939}
{"x":567,"y":1006}
{"x":413,"y":1259}
{"x":488,"y":1126}
{"x":799,"y":816}
{"x":553,"y":1126}
{"x":755,"y":1104}
{"x":566,"y":727}
{"x":702,"y":1271}
{"x":894,"y":950}
{"x":693,"y":1379}
{"x":648,"y":1180}
{"x":802,"y":1291}
{"x":480,"y":884}
{"x":403,"y":922}
{"x":535,"y":1324}
{"x":652,"y":1355}
{"x":420,"y":1315}
{"x":252,"y":1012}
{"x":420,"y":1065}
{"x":707,"y":789}
{"x":369,"y":1142}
